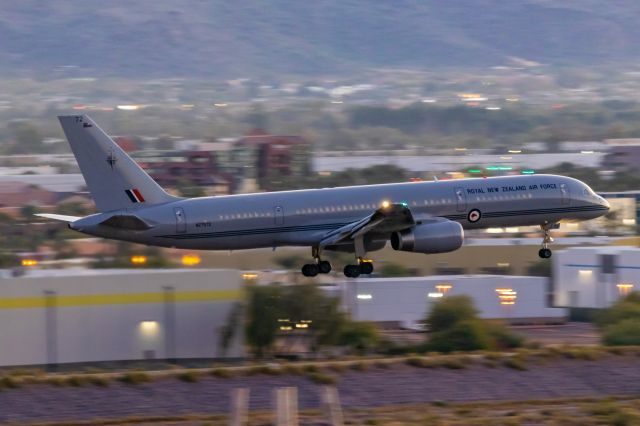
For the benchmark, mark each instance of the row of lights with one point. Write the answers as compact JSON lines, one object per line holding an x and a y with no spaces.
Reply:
{"x":506,"y":296}
{"x":287,"y":325}
{"x":187,"y":260}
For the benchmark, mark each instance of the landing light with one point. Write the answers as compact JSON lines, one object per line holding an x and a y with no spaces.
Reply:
{"x":385,"y":204}
{"x":138,"y":260}
{"x":191,"y":260}
{"x":29,"y":262}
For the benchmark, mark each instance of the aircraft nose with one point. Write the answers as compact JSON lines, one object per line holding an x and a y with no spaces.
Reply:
{"x":605,"y":203}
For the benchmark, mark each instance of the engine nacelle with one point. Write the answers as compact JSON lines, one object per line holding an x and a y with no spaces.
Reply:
{"x":437,"y":237}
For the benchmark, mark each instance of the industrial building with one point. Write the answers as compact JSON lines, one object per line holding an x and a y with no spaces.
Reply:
{"x":406,"y":301}
{"x":594,"y":277}
{"x":50,"y":317}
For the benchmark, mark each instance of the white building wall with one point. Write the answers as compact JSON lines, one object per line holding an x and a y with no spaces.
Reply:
{"x":96,"y":315}
{"x":406,"y":300}
{"x":583,"y":279}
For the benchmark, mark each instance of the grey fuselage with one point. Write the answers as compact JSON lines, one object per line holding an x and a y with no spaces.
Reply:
{"x":304,"y":217}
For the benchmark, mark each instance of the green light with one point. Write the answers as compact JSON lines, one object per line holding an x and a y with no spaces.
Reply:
{"x":474,"y":171}
{"x":528,"y":172}
{"x":404,"y":204}
{"x":494,"y":168}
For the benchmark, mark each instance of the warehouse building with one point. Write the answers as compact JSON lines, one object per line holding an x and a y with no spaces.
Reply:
{"x":406,"y":301}
{"x":595,"y":277}
{"x":50,"y":317}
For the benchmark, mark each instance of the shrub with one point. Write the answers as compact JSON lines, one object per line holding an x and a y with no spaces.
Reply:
{"x":263,"y":369}
{"x":311,"y":368}
{"x":222,"y":373}
{"x":415,"y":361}
{"x":453,"y":363}
{"x":627,"y":308}
{"x":467,"y":335}
{"x":189,"y":376}
{"x":77,"y":381}
{"x":501,"y":337}
{"x":383,"y":365}
{"x":359,"y":335}
{"x":9,"y":382}
{"x":135,"y":378}
{"x":359,"y":366}
{"x":99,"y":381}
{"x":337,"y":367}
{"x":56,"y":381}
{"x":322,"y":379}
{"x":293,"y":369}
{"x":449,"y":311}
{"x":515,"y":362}
{"x":626,"y":332}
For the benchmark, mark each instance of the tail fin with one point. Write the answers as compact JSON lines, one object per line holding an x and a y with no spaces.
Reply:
{"x":115,"y":181}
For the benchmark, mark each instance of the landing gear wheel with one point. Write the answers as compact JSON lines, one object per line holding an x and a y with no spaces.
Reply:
{"x":545,"y":253}
{"x":310,"y":270}
{"x":352,"y":271}
{"x":366,"y":268}
{"x":324,"y":267}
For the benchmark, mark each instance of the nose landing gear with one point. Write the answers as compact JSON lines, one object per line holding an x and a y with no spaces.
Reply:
{"x":545,"y":252}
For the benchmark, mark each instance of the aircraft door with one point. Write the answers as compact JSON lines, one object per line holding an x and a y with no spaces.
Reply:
{"x":461,"y":200}
{"x":565,"y":193}
{"x":181,"y":220}
{"x":278,"y":214}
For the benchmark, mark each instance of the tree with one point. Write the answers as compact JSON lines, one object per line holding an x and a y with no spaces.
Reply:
{"x":450,"y":310}
{"x":322,"y":313}
{"x":623,"y":333}
{"x":361,"y":336}
{"x":455,"y":326}
{"x":466,"y":335}
{"x":263,"y":311}
{"x":229,"y":330}
{"x":624,"y":309}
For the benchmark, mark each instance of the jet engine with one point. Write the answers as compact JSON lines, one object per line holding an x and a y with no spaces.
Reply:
{"x":429,"y":238}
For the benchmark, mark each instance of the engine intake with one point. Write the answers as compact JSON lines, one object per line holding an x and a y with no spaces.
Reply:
{"x":430,"y":238}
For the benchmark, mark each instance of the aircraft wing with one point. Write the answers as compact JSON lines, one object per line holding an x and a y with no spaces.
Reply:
{"x":388,"y":218}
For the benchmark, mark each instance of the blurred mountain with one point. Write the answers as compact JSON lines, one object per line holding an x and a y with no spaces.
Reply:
{"x":254,"y":38}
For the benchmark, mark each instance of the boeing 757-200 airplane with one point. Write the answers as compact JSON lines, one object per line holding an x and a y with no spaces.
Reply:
{"x":422,"y":217}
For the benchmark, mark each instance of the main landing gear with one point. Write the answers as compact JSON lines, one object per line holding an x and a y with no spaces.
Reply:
{"x":350,"y":271}
{"x":319,"y":267}
{"x":545,"y":251}
{"x":354,"y":271}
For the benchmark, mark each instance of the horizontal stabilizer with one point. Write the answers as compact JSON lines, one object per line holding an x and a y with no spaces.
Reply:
{"x":61,"y":217}
{"x":126,"y":222}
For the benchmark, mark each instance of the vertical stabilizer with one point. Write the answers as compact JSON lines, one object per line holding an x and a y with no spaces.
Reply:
{"x":115,"y":181}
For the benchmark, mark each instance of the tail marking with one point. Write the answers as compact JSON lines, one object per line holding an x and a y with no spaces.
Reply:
{"x":134,"y":195}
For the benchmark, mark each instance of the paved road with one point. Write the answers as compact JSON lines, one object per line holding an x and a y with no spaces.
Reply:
{"x":375,"y":387}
